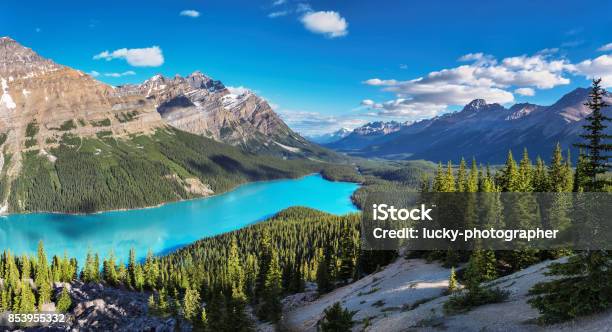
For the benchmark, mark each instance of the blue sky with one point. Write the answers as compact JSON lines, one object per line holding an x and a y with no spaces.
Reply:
{"x":328,"y":64}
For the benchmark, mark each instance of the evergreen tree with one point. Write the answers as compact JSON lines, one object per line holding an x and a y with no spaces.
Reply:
{"x":26,"y":299}
{"x":337,"y":319}
{"x":64,"y":302}
{"x":324,"y":278}
{"x":347,"y":255}
{"x":525,"y":174}
{"x":472,"y":182}
{"x":509,"y":176}
{"x":595,"y":136}
{"x":452,"y":281}
{"x":152,"y":306}
{"x":237,"y":304}
{"x":540,"y":177}
{"x":462,"y":179}
{"x":191,"y":305}
{"x":271,"y":306}
{"x":558,"y":172}
{"x":265,"y":256}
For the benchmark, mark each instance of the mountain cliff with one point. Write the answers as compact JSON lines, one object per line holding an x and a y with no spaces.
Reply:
{"x":481,"y":130}
{"x":71,"y":143}
{"x":203,"y":106}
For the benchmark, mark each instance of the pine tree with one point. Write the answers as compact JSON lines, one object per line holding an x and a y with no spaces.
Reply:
{"x":191,"y":305}
{"x":64,"y":302}
{"x":203,"y":321}
{"x":151,"y":305}
{"x":452,"y":281}
{"x":472,"y":182}
{"x":525,"y":174}
{"x":449,"y":179}
{"x":347,"y":255}
{"x":265,"y":256}
{"x":557,"y":172}
{"x":462,"y":177}
{"x":540,"y":177}
{"x":132,"y":267}
{"x":324,"y":282}
{"x":26,"y":299}
{"x":438,"y":182}
{"x":237,"y":304}
{"x":595,"y":137}
{"x":337,"y":319}
{"x":271,"y":306}
{"x":508,"y":179}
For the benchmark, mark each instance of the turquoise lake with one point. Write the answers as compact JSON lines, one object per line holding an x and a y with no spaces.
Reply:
{"x":168,"y":227}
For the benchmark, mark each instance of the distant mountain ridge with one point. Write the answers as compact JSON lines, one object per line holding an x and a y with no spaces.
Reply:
{"x":363,"y":136}
{"x":481,"y":130}
{"x":330,"y":137}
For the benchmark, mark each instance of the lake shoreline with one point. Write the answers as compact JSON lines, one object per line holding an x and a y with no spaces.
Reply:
{"x":169,"y":202}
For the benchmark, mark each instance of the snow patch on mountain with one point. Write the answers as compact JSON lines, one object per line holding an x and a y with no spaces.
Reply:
{"x":6,"y":98}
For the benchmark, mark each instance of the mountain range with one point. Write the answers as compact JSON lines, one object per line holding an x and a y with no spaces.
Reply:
{"x":330,"y":137}
{"x":71,"y":143}
{"x":481,"y":130}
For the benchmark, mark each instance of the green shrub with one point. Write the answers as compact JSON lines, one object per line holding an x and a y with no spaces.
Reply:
{"x":337,"y":319}
{"x":475,"y":297}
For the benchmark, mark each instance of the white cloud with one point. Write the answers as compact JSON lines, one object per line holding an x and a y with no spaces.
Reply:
{"x":525,"y":92}
{"x":403,"y":66}
{"x":328,"y":23}
{"x":94,"y":73}
{"x":278,"y":14}
{"x":278,"y":2}
{"x":600,"y":67}
{"x":303,"y":8}
{"x":379,"y":82}
{"x":125,"y":73}
{"x":483,"y":76}
{"x":367,"y":102}
{"x":138,"y":57}
{"x":314,"y":123}
{"x":605,"y":48}
{"x":190,"y":13}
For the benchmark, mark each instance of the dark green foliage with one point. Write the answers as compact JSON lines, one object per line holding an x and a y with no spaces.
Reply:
{"x":90,"y":175}
{"x":32,"y":129}
{"x":337,"y":319}
{"x":3,"y":137}
{"x":64,"y":301}
{"x":126,"y":116}
{"x":101,"y":123}
{"x":68,"y":125}
{"x":465,"y":301}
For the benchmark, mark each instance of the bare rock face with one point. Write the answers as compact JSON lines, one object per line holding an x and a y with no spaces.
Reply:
{"x":59,"y":99}
{"x":41,"y":102}
{"x":203,"y":106}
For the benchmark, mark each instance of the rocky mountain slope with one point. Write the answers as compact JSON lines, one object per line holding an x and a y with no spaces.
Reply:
{"x":71,"y":143}
{"x":203,"y":106}
{"x":482,"y":130}
{"x":408,"y":295}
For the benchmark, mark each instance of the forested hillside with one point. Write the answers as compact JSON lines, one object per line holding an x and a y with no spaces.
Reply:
{"x":93,"y":174}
